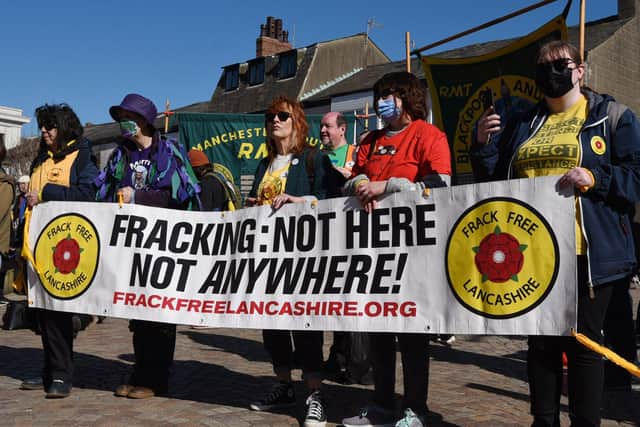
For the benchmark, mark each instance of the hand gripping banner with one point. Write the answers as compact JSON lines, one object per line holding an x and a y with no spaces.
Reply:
{"x":491,"y":258}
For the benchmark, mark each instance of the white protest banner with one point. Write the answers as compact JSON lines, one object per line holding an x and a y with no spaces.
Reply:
{"x":493,"y":258}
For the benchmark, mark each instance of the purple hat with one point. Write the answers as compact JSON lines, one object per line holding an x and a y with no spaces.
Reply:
{"x":136,"y":104}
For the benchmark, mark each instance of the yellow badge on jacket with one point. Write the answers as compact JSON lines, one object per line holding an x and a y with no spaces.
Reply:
{"x":598,"y":145}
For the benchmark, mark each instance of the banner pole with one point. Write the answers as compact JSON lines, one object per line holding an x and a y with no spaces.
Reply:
{"x":366,"y":115}
{"x":166,"y":116}
{"x":483,"y":26}
{"x":407,"y":43}
{"x":582,"y":19}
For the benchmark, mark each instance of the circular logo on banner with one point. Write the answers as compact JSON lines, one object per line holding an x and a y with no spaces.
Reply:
{"x":502,"y":258}
{"x":598,"y":145}
{"x":66,"y":253}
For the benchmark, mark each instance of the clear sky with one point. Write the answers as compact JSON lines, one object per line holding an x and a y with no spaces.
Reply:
{"x":89,"y":54}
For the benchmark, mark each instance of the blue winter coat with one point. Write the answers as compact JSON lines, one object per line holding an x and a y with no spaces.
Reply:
{"x":606,"y":207}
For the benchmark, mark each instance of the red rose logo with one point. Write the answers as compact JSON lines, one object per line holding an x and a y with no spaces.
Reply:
{"x":66,"y":255}
{"x":499,"y":257}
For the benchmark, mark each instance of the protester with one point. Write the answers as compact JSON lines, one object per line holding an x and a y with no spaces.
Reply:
{"x":63,"y":170}
{"x":6,"y":200}
{"x":18,"y":276}
{"x":146,"y":169}
{"x":575,"y":139}
{"x":213,"y":195}
{"x":19,"y":208}
{"x":284,"y":177}
{"x":407,"y":155}
{"x":333,"y":128}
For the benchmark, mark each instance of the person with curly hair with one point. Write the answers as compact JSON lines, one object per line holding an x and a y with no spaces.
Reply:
{"x":408,"y":154}
{"x":64,"y":170}
{"x":284,"y":177}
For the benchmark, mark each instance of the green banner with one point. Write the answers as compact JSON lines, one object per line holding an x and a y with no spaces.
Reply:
{"x":458,"y":86}
{"x":236,"y":141}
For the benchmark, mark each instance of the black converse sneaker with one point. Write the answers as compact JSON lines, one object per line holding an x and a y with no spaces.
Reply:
{"x":281,"y":395}
{"x":316,"y":415}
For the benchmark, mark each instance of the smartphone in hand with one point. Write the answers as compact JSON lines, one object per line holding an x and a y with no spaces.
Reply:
{"x":486,"y":97}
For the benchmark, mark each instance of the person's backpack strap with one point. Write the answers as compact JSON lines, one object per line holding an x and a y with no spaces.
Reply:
{"x":231,"y":191}
{"x":373,"y":137}
{"x":615,"y":110}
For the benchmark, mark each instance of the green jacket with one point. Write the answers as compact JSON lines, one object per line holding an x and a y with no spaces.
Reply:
{"x":299,"y":182}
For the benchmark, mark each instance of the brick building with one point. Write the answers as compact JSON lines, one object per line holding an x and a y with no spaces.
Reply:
{"x":613,"y":66}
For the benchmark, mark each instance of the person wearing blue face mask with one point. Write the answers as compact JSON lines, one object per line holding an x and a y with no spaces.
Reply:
{"x":388,"y":109}
{"x":408,"y":154}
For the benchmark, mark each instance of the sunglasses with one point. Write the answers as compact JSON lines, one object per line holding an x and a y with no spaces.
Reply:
{"x":282,"y":116}
{"x":557,"y":65}
{"x":48,"y":125}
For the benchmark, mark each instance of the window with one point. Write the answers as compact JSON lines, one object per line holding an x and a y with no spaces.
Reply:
{"x":288,"y":64}
{"x":231,"y":77}
{"x":256,"y":72}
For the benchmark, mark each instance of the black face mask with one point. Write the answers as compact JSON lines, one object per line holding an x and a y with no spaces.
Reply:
{"x":554,"y":78}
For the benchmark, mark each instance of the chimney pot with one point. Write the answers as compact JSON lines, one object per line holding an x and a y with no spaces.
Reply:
{"x":273,"y":39}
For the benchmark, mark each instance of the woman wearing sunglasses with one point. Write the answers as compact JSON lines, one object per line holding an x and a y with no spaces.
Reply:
{"x":63,"y":170}
{"x":293,"y":172}
{"x":408,"y":154}
{"x":577,"y":139}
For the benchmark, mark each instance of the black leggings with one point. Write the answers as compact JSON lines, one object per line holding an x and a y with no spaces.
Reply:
{"x":308,"y":347}
{"x":620,"y":337}
{"x":585,"y":367}
{"x":414,"y":350}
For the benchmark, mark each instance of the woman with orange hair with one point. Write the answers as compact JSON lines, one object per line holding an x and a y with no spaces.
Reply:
{"x":293,"y":172}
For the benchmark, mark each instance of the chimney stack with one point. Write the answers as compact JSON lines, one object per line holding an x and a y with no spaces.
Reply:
{"x":273,"y":39}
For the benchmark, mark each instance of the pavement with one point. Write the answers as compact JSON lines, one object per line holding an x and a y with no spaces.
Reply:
{"x":477,"y":381}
